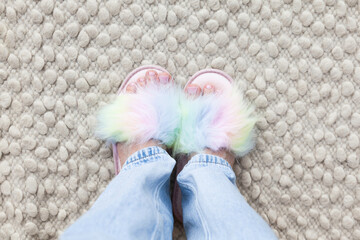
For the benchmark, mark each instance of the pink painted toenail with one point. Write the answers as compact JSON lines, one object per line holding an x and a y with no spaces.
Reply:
{"x":164,"y":78}
{"x":141,"y":81}
{"x":208,"y":89}
{"x":193,"y":90}
{"x":208,"y":86}
{"x":151,"y":73}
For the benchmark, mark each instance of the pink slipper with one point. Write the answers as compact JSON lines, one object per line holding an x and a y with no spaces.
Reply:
{"x":218,"y":120}
{"x":137,"y":121}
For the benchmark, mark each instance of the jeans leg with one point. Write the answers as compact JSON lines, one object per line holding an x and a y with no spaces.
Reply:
{"x":135,"y":205}
{"x":213,"y":207}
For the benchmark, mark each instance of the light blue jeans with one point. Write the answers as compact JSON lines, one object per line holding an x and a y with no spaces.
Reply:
{"x":136,"y":204}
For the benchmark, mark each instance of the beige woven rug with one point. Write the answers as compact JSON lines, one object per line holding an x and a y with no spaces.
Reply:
{"x":298,"y":61}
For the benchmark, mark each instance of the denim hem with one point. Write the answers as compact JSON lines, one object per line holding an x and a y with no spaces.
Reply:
{"x":148,"y":152}
{"x":208,"y":159}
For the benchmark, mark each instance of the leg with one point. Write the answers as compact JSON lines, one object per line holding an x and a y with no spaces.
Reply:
{"x":135,"y":205}
{"x":213,"y":207}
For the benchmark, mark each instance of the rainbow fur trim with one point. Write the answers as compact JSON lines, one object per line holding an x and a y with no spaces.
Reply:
{"x":151,"y":113}
{"x":215,"y":122}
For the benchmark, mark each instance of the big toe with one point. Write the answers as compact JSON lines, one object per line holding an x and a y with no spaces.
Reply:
{"x":193,"y":90}
{"x":164,"y":77}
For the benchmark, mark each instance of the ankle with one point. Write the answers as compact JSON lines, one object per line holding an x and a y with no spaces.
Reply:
{"x":226,"y":155}
{"x":126,"y":150}
{"x":229,"y":157}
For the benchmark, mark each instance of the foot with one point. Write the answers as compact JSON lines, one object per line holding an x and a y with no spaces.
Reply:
{"x":193,"y":90}
{"x":126,"y":150}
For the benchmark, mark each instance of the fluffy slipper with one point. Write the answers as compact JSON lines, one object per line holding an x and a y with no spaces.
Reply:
{"x":221,"y":120}
{"x":150,"y":113}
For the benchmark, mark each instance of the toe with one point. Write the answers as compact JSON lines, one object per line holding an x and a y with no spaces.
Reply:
{"x":151,"y":75}
{"x":193,"y":90}
{"x":131,"y":88}
{"x":141,"y":81}
{"x":164,"y":77}
{"x":209,"y":89}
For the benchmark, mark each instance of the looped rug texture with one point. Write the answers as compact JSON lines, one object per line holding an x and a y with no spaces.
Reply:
{"x":298,"y":62}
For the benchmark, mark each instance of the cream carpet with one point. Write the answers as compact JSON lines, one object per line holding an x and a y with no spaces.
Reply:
{"x":298,"y":61}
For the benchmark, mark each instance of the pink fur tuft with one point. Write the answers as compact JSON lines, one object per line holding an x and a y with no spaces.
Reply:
{"x":151,"y":113}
